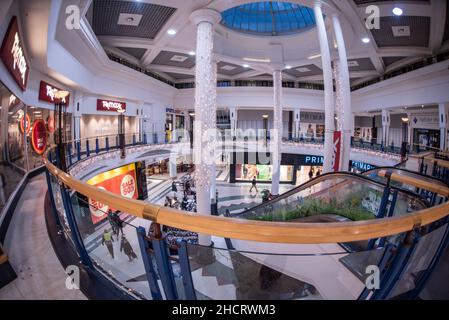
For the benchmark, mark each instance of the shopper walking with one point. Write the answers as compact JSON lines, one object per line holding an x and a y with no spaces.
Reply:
{"x":125,"y":247}
{"x":2,"y":189}
{"x":118,"y":223}
{"x":108,"y":240}
{"x":253,"y":185}
{"x":112,"y":222}
{"x":310,"y":173}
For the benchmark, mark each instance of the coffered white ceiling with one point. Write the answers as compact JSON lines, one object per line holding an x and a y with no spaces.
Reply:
{"x":137,"y":31}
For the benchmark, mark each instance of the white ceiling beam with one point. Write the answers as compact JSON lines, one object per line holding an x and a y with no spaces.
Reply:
{"x":162,"y":68}
{"x":114,"y":41}
{"x":404,"y":52}
{"x":437,"y":25}
{"x":353,"y":14}
{"x":123,"y":55}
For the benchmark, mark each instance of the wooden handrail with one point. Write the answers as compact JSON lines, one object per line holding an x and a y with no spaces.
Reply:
{"x":261,"y":231}
{"x":436,"y":188}
{"x":440,"y":162}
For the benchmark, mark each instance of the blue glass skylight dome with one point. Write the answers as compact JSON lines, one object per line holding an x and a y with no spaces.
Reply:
{"x":269,"y":18}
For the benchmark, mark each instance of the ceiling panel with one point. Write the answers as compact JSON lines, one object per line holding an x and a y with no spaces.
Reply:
{"x":230,"y":69}
{"x":106,"y":15}
{"x":364,"y":64}
{"x":388,"y":61}
{"x":135,"y":52}
{"x":419,"y":32}
{"x":169,"y":58}
{"x":304,"y":71}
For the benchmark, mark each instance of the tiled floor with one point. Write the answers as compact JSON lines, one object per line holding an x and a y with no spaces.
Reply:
{"x":40,"y":274}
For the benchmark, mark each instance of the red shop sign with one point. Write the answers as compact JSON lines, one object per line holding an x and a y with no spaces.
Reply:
{"x":336,"y":151}
{"x":13,"y":56}
{"x":107,"y":105}
{"x":39,"y":136}
{"x":47,"y":93}
{"x":25,"y":124}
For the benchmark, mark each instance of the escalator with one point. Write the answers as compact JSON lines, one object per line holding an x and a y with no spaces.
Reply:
{"x":337,"y":197}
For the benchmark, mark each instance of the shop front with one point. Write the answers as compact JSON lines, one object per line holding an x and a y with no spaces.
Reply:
{"x":105,"y":121}
{"x":175,"y":125}
{"x":426,"y":132}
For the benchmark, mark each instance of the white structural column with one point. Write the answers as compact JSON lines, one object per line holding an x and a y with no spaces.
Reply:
{"x":443,"y":110}
{"x":385,"y":127}
{"x":205,"y":92}
{"x":297,"y":120}
{"x":233,"y":119}
{"x":276,"y":133}
{"x":409,"y":130}
{"x":344,"y":94}
{"x":328,"y":88}
{"x":213,"y":111}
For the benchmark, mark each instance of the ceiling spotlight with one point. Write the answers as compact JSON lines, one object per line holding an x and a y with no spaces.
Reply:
{"x":288,"y":67}
{"x":365,"y":40}
{"x":397,"y":11}
{"x":265,"y":116}
{"x":245,"y":65}
{"x":171,"y":32}
{"x":191,"y":53}
{"x":130,"y":19}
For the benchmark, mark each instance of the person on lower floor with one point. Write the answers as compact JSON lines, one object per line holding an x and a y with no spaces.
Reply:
{"x":107,"y":240}
{"x":253,"y":184}
{"x":125,"y":247}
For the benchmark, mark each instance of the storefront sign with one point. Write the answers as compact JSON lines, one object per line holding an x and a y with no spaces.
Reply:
{"x":169,"y":110}
{"x":47,"y":93}
{"x":312,"y":160}
{"x":13,"y":55}
{"x":121,"y":181}
{"x":115,"y":106}
{"x":39,"y":136}
{"x":336,"y":151}
{"x":362,"y":166}
{"x":425,"y":120}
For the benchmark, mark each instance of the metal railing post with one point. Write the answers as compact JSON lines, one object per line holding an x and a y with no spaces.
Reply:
{"x":78,"y":150}
{"x":186,"y":272}
{"x":148,"y":264}
{"x":107,"y":144}
{"x":97,"y":146}
{"x":165,"y":269}
{"x":87,"y":149}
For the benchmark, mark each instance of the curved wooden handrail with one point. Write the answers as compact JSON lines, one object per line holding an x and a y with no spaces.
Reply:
{"x":261,"y":231}
{"x":439,"y":189}
{"x":440,"y":162}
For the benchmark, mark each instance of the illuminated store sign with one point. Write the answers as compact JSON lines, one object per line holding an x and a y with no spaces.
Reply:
{"x":47,"y":93}
{"x":106,"y":105}
{"x":13,"y":55}
{"x":39,"y":136}
{"x":121,"y":181}
{"x":313,"y":160}
{"x":362,"y":166}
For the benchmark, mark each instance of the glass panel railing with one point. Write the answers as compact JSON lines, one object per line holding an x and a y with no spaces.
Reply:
{"x":275,"y":273}
{"x":112,"y":244}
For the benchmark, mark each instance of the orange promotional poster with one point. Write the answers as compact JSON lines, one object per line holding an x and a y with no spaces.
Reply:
{"x":121,"y":181}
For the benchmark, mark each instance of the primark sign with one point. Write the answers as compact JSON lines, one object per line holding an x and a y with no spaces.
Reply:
{"x":13,"y":56}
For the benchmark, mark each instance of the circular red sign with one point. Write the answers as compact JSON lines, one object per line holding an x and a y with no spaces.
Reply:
{"x":25,"y":126}
{"x":50,"y":124}
{"x":39,"y":136}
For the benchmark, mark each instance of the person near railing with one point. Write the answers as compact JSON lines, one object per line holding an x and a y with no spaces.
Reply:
{"x":126,"y":248}
{"x":107,"y":240}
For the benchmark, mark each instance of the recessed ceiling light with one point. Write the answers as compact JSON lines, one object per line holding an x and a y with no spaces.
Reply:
{"x":397,"y":11}
{"x":288,"y":67}
{"x":130,"y":19}
{"x":191,"y":53}
{"x":245,"y":65}
{"x":365,"y":40}
{"x":171,"y":32}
